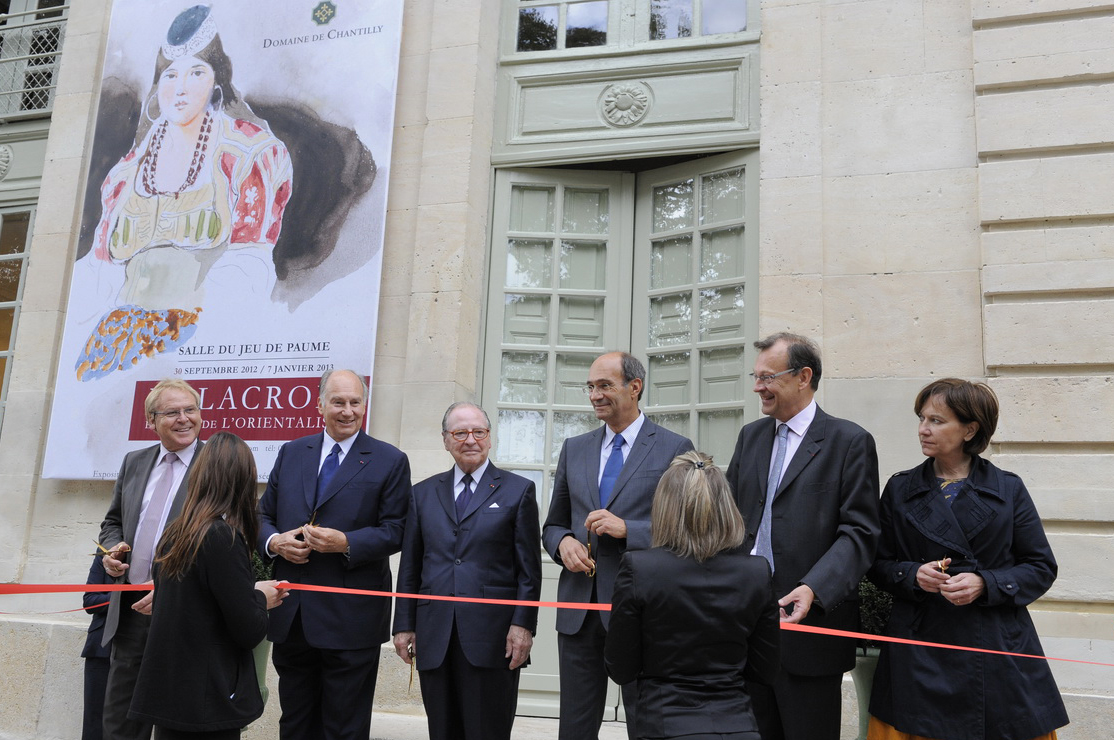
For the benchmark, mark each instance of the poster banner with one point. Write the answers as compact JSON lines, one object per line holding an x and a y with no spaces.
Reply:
{"x":232,"y":226}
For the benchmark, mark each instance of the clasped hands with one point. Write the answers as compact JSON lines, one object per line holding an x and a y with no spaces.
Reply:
{"x":960,"y":589}
{"x":574,"y":554}
{"x":296,"y":544}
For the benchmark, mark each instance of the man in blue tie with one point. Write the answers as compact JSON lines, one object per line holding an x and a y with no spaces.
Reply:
{"x":807,"y":486}
{"x":600,"y":507}
{"x":332,"y":515}
{"x":472,"y":532}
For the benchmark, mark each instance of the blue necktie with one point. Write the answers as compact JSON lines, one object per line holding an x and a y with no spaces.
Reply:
{"x":762,"y":545}
{"x":464,"y":497}
{"x":611,"y":470}
{"x":328,"y":470}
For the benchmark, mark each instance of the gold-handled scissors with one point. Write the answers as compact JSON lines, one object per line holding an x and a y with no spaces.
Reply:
{"x":591,"y":573}
{"x":113,"y":552}
{"x":410,"y":652}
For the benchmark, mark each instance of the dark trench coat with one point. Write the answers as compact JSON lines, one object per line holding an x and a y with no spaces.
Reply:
{"x":992,"y":529}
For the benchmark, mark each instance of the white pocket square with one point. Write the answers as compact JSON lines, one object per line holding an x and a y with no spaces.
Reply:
{"x":494,"y":506}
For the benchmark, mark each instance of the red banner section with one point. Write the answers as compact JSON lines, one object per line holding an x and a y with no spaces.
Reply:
{"x":272,"y":409}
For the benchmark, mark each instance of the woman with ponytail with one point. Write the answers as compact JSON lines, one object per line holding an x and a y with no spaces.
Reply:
{"x":694,"y":615}
{"x":198,"y":676}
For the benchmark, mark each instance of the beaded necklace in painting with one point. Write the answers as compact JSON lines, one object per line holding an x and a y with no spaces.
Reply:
{"x":151,"y":161}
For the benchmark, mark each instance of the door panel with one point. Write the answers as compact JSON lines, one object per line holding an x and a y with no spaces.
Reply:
{"x":663,"y":264}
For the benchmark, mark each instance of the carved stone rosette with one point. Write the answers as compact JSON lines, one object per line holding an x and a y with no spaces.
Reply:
{"x":625,"y":104}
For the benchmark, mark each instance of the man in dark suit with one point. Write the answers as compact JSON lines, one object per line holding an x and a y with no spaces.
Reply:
{"x":807,"y":486}
{"x":332,"y":515}
{"x":150,"y":490}
{"x":471,"y":532}
{"x":602,"y":494}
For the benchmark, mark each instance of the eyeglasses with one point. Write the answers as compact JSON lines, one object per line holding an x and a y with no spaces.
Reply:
{"x":604,"y":387}
{"x":767,"y":379}
{"x":175,"y":413}
{"x":462,"y":434}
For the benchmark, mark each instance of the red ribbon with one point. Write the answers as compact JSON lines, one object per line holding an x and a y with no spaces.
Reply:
{"x":43,"y":588}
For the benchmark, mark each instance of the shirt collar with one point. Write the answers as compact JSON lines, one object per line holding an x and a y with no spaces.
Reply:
{"x":629,"y":434}
{"x":800,"y":423}
{"x":185,"y":454}
{"x":345,"y":445}
{"x":477,"y":474}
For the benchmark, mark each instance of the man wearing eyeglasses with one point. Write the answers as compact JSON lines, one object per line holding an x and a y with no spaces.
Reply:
{"x":600,"y":508}
{"x":149,"y":493}
{"x":471,"y":532}
{"x":807,"y":486}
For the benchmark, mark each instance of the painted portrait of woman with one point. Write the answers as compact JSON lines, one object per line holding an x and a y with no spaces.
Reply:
{"x":196,"y":203}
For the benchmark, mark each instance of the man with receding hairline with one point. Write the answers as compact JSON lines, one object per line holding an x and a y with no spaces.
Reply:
{"x":332,"y":515}
{"x":472,"y":532}
{"x":807,"y":486}
{"x":602,"y":494}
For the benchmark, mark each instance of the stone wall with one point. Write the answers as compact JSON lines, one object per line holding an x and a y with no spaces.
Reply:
{"x":937,"y":200}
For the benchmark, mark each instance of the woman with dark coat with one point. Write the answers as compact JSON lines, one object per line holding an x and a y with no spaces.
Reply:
{"x":694,"y":615}
{"x":198,"y":676}
{"x":963,"y":552}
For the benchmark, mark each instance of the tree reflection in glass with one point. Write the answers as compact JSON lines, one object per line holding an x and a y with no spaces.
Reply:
{"x":537,"y":28}
{"x":586,"y":24}
{"x":670,"y":19}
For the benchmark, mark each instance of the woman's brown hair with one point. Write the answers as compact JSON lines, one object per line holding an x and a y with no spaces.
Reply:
{"x":221,"y":486}
{"x":694,"y":514}
{"x":970,"y":402}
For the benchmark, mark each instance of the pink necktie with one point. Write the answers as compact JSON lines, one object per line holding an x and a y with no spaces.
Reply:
{"x":143,"y":554}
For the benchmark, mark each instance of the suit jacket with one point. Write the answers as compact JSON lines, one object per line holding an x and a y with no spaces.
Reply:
{"x":198,"y":673}
{"x":493,"y":552}
{"x":94,"y":602}
{"x":689,"y":632}
{"x":576,"y":492}
{"x":367,"y":500}
{"x":824,"y":528}
{"x":120,"y":522}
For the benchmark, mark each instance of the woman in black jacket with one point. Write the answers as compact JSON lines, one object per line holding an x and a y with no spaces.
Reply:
{"x":693,"y":615}
{"x":963,"y":552}
{"x":198,"y":677}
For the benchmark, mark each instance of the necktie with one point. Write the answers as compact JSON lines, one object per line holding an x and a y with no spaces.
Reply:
{"x":464,"y":497}
{"x":328,"y":470}
{"x":146,"y":536}
{"x":611,"y":470}
{"x":763,"y":546}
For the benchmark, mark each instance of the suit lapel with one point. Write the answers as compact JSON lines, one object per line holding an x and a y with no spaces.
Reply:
{"x":445,"y":494}
{"x":640,"y":447}
{"x":807,"y":450}
{"x":485,"y":489}
{"x":309,"y":472}
{"x":764,"y":450}
{"x":357,"y":457}
{"x":595,"y":447}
